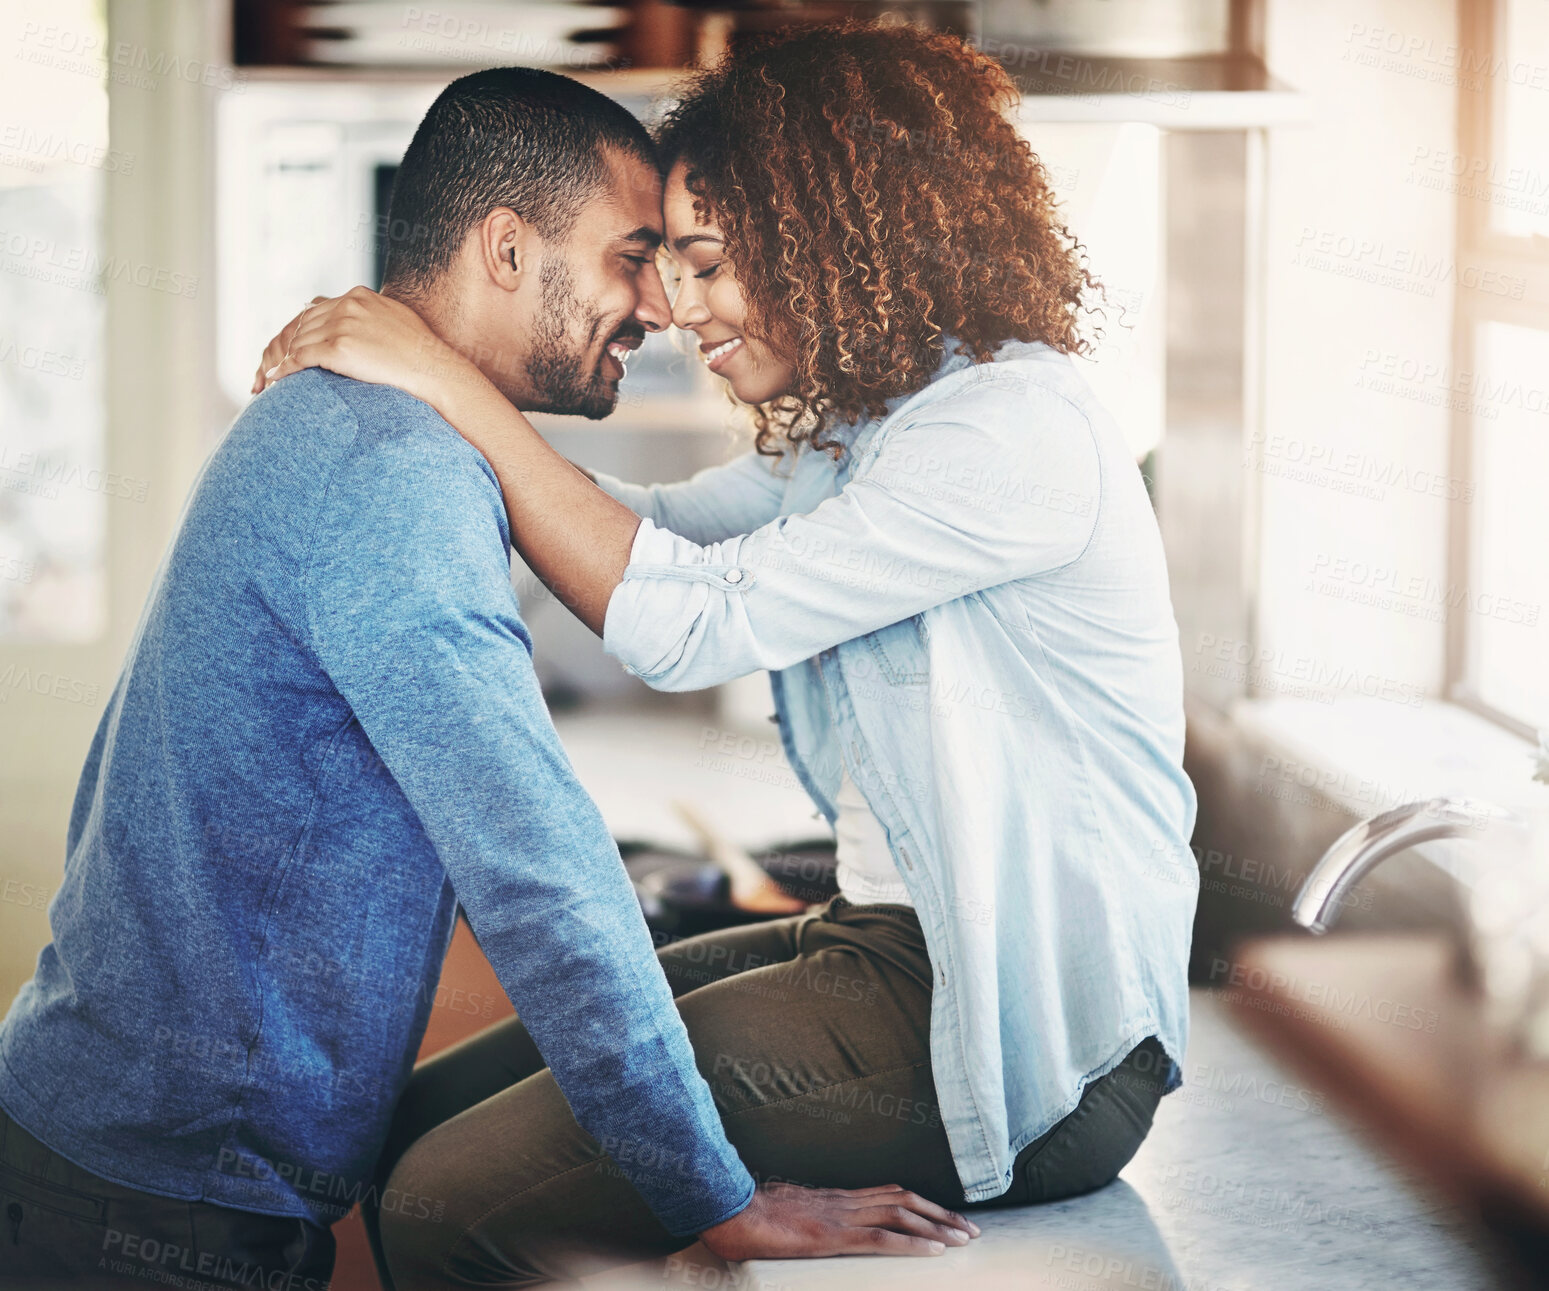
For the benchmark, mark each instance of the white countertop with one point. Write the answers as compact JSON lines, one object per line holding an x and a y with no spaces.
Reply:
{"x":1246,"y":1183}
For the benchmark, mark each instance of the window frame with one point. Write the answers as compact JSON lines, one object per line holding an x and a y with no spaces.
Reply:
{"x":1479,"y":245}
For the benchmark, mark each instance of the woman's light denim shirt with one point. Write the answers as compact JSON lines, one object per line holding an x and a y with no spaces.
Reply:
{"x":970,"y":614}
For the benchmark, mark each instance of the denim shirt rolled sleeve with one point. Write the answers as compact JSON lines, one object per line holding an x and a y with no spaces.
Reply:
{"x":436,"y":665}
{"x":716,"y":503}
{"x":895,"y":540}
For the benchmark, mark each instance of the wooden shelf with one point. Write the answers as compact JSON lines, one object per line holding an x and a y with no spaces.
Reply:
{"x":648,"y":81}
{"x":1225,"y":93}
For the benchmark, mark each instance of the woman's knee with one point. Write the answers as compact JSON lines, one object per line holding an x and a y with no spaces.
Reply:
{"x":429,"y":1232}
{"x":514,"y":1193}
{"x":416,"y":1231}
{"x":559,"y":1229}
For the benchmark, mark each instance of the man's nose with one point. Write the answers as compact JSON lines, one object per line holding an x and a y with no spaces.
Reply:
{"x":652,"y":312}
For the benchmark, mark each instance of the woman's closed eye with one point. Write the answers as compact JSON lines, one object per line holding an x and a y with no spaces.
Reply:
{"x":709,"y":271}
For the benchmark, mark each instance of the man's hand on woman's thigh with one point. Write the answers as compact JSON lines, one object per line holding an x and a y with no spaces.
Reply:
{"x":785,"y":1221}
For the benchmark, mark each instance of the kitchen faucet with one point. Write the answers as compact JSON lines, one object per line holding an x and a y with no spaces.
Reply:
{"x":1362,"y":846}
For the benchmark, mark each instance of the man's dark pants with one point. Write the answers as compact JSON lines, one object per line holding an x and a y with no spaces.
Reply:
{"x":62,"y":1226}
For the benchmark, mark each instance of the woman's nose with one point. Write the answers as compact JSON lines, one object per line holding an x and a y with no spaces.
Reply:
{"x":688,"y":310}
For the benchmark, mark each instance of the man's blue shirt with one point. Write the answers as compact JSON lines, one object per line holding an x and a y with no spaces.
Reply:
{"x":326,"y":735}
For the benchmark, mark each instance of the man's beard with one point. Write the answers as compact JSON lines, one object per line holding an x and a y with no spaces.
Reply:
{"x":556,"y":365}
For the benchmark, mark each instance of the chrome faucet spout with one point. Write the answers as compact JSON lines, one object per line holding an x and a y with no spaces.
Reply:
{"x":1362,"y":846}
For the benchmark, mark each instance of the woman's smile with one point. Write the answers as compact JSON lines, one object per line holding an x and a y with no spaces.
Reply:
{"x":718,"y":353}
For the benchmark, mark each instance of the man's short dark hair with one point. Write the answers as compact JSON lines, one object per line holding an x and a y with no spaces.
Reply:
{"x":510,"y":136}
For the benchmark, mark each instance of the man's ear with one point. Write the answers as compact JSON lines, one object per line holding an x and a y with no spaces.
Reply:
{"x":508,"y":247}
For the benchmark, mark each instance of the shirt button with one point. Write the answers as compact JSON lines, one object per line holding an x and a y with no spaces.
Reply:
{"x":733,"y":575}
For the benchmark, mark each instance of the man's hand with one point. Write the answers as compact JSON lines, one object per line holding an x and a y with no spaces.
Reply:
{"x":784,"y":1221}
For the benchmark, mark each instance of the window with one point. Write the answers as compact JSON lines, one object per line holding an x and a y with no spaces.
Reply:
{"x":54,"y":157}
{"x":1521,"y":128}
{"x":1499,"y":586}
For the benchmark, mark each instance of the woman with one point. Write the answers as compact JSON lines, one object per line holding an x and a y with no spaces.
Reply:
{"x":945,"y":556}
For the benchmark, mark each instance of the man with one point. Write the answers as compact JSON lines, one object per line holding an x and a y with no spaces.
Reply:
{"x":326,"y":736}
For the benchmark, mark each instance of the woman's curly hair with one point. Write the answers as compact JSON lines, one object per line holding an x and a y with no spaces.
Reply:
{"x":875,"y":199}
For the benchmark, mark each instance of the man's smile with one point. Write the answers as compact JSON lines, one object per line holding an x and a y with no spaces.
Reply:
{"x":616,"y":355}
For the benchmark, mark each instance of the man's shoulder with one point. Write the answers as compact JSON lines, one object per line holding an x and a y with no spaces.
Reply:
{"x":354,"y":430}
{"x":318,"y":448}
{"x":348,"y":415}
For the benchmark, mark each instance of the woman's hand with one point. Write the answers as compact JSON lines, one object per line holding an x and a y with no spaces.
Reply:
{"x":784,"y":1221}
{"x":370,"y":338}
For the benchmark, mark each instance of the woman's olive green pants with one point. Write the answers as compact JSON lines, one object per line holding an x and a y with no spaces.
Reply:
{"x":814,"y":1035}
